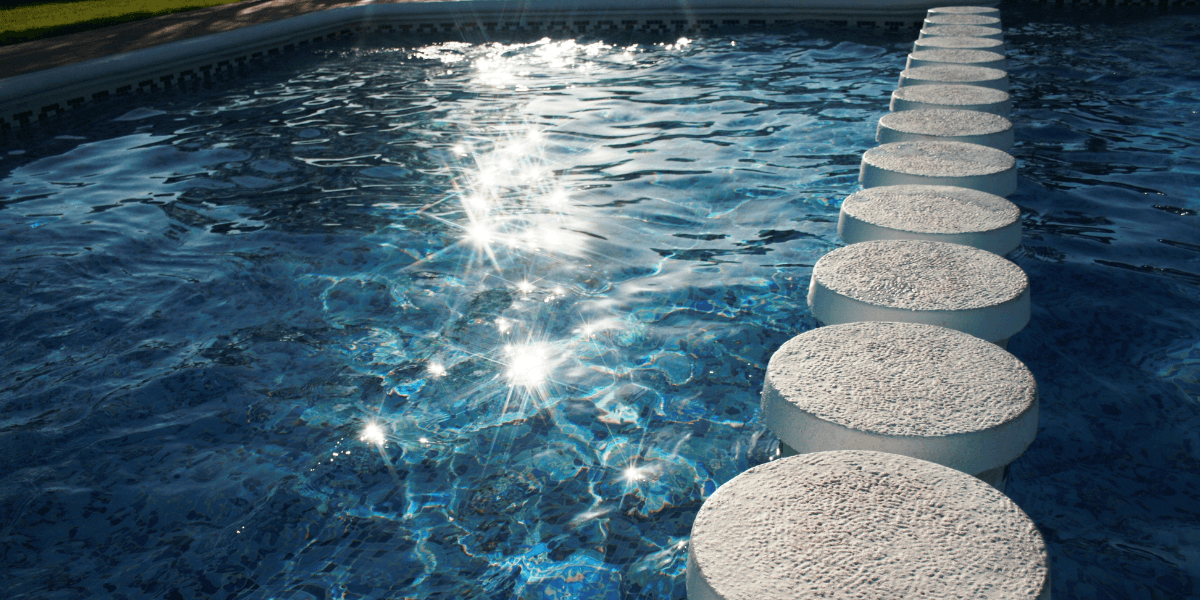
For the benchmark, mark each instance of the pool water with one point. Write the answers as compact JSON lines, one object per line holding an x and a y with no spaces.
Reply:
{"x":1108,"y":126}
{"x":490,"y":320}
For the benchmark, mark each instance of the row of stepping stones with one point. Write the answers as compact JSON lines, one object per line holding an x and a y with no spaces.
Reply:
{"x":898,"y":418}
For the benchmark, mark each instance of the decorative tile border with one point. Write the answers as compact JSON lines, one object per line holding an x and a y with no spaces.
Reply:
{"x":35,"y":97}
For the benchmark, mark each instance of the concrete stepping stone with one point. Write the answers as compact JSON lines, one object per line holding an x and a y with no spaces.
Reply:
{"x":982,"y":31}
{"x":972,"y":127}
{"x":957,"y":56}
{"x":906,"y":388}
{"x":915,"y":281}
{"x":950,"y":96}
{"x":856,"y":524}
{"x":940,"y":163}
{"x":932,"y":213}
{"x":939,"y":20}
{"x":965,"y":10}
{"x":955,"y":75}
{"x":960,"y":43}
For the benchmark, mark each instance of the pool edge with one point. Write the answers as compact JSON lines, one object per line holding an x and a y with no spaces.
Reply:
{"x":34,"y":97}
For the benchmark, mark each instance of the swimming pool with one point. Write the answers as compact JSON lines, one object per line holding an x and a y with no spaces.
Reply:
{"x":551,"y":273}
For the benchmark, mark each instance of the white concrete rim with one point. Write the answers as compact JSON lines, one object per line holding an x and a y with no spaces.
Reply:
{"x":937,"y":20}
{"x":962,"y":42}
{"x":1002,"y":182}
{"x":971,"y":452}
{"x":955,"y":75}
{"x":966,"y":10}
{"x":992,"y":323}
{"x":1000,"y":241}
{"x":959,"y":97}
{"x":855,"y":227}
{"x":807,"y":509}
{"x":967,"y":57}
{"x":898,"y":127}
{"x":957,"y":287}
{"x":982,"y":31}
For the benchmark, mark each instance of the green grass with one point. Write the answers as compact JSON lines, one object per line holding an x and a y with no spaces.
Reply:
{"x":34,"y":21}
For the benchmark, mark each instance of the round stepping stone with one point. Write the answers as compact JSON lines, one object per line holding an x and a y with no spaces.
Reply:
{"x":954,"y":56}
{"x":972,"y":127}
{"x":946,"y":19}
{"x":994,"y":33}
{"x":959,"y":43}
{"x":960,"y":97}
{"x":922,"y":391}
{"x":955,"y":75}
{"x":940,"y":163}
{"x":965,"y":10}
{"x":915,"y":281}
{"x":933,"y":213}
{"x":857,"y":524}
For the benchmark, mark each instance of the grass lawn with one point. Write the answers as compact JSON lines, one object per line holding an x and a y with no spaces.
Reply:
{"x":22,"y":22}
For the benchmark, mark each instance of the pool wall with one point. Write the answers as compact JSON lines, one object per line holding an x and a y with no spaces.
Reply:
{"x":34,"y":97}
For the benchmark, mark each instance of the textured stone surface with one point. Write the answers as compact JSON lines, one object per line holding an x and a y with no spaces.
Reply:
{"x":865,"y":525}
{"x":955,"y":74}
{"x":963,"y":31}
{"x":946,"y":122}
{"x":907,"y":388}
{"x":933,"y":213}
{"x":962,"y":19}
{"x":964,"y":97}
{"x":931,"y":209}
{"x":905,"y":379}
{"x":939,"y":159}
{"x":968,"y":126}
{"x":917,"y":281}
{"x":951,"y":94}
{"x":965,"y":10}
{"x":920,"y":275}
{"x":966,"y":43}
{"x":957,"y":56}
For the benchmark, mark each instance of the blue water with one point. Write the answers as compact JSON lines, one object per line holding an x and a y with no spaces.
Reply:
{"x":1108,"y":124}
{"x":550,"y":275}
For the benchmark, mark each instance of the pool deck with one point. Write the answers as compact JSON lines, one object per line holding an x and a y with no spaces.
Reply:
{"x":52,"y":52}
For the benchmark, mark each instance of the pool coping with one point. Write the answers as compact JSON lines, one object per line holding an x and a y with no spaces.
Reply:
{"x":189,"y":53}
{"x":57,"y":51}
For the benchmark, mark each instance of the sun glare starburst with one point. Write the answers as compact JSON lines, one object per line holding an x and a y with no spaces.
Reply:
{"x":529,"y":365}
{"x":373,"y":434}
{"x":480,"y":233}
{"x":503,"y":325}
{"x":633,"y":474}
